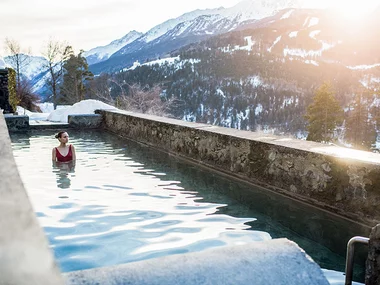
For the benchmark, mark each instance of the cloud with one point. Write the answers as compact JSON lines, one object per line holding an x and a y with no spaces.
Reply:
{"x":86,"y":24}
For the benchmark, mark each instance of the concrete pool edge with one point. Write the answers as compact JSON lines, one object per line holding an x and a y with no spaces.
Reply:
{"x":25,"y":257}
{"x":238,"y":264}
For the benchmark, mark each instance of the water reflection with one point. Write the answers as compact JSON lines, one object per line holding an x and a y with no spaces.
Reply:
{"x":63,"y":171}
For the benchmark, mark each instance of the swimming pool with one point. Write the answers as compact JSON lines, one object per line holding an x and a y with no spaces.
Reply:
{"x":124,"y":202}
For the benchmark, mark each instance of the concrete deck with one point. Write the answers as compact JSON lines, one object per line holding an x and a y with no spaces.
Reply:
{"x":278,"y":261}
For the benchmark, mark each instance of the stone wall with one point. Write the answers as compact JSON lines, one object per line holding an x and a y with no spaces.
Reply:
{"x":337,"y":179}
{"x":89,"y":121}
{"x":4,"y":92}
{"x":17,"y":122}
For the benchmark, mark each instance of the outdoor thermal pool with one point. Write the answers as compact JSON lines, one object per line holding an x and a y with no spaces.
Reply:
{"x":124,"y":202}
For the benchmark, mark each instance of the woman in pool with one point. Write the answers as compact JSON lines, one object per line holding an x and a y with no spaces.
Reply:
{"x":64,"y":152}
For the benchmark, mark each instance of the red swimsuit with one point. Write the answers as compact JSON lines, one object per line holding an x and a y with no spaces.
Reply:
{"x":66,"y":158}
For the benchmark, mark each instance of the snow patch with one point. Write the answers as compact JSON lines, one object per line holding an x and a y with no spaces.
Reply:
{"x":358,"y":67}
{"x":287,"y":14}
{"x":258,"y":109}
{"x":2,"y":63}
{"x":313,"y":22}
{"x":314,"y":33}
{"x":293,"y":34}
{"x":220,"y":93}
{"x":336,"y":278}
{"x":275,"y":42}
{"x":46,"y":107}
{"x":82,"y":107}
{"x":170,"y":60}
{"x":313,"y":62}
{"x":306,"y":53}
{"x":247,"y":47}
{"x":306,"y":21}
{"x":256,"y":81}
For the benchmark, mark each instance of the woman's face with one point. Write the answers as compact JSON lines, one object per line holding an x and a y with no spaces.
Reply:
{"x":64,"y":138}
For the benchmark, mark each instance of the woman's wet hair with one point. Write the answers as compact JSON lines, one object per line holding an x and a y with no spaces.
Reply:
{"x":57,"y":136}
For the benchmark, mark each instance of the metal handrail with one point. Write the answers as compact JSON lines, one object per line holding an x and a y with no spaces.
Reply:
{"x":350,"y":256}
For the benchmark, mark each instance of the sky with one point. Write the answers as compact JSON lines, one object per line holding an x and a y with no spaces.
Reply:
{"x":86,"y":24}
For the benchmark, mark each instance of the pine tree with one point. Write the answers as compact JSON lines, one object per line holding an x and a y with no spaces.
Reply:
{"x":75,"y":76}
{"x":360,"y":130}
{"x":323,"y":115}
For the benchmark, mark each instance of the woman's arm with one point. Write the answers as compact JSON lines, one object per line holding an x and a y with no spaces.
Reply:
{"x":53,"y":155}
{"x":73,"y":152}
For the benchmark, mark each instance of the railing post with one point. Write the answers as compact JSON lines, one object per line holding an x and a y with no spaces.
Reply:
{"x":350,"y":256}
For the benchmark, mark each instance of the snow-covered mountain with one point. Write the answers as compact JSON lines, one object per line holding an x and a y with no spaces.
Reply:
{"x":31,"y":65}
{"x":102,"y":53}
{"x":280,"y":26}
{"x":191,"y":27}
{"x":258,"y":9}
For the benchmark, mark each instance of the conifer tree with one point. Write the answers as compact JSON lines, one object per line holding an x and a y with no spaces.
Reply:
{"x":75,"y":76}
{"x":323,"y":115}
{"x":360,"y":130}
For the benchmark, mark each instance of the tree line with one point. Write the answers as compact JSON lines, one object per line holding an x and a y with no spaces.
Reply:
{"x":66,"y":75}
{"x":254,"y":90}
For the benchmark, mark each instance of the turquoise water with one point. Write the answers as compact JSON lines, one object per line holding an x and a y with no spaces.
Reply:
{"x":124,"y":202}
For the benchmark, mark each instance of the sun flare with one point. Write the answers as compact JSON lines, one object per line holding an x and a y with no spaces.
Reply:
{"x":353,"y":9}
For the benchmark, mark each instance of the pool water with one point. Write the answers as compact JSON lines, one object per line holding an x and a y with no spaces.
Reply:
{"x":123,"y":202}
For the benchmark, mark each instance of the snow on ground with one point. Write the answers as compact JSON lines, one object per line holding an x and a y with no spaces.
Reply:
{"x":2,"y":63}
{"x":46,"y":107}
{"x":312,"y":62}
{"x":275,"y":42}
{"x":256,"y":80}
{"x":313,"y":22}
{"x":287,"y":14}
{"x":363,"y":66}
{"x":258,"y":109}
{"x":60,"y":114}
{"x":82,"y":107}
{"x":161,"y":61}
{"x":248,"y":47}
{"x":169,"y":60}
{"x":305,"y":53}
{"x":314,"y":33}
{"x":336,"y":278}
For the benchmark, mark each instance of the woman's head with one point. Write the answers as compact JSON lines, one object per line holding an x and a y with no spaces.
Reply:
{"x":62,"y":136}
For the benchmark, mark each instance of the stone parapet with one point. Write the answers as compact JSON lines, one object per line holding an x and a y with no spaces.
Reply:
{"x":17,"y":122}
{"x":88,"y":121}
{"x":338,"y":179}
{"x":4,"y":92}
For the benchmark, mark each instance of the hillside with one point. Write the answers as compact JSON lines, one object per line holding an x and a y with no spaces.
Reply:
{"x":265,"y":75}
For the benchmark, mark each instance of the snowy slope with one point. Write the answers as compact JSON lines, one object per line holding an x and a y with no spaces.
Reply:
{"x":258,"y":9}
{"x":32,"y":65}
{"x":102,"y":53}
{"x":192,"y":27}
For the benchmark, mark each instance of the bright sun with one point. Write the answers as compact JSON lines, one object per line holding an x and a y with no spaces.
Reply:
{"x":352,"y":9}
